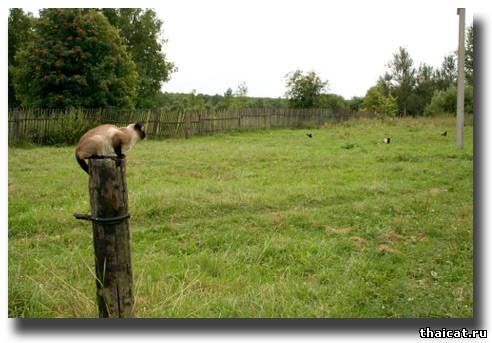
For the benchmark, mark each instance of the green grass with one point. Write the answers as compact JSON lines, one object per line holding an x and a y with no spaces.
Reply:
{"x":260,"y":224}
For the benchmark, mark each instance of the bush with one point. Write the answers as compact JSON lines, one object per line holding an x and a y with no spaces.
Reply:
{"x":444,"y":101}
{"x":376,"y":102}
{"x":68,"y":129}
{"x":335,"y":103}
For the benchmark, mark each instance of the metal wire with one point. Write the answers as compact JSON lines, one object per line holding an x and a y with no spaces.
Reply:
{"x":107,"y":221}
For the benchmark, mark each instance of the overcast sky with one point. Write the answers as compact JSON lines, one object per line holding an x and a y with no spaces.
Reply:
{"x":218,"y":44}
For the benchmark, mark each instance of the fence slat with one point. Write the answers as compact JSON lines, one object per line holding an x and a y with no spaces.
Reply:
{"x":41,"y":125}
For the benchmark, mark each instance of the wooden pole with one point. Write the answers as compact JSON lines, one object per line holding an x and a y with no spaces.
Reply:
{"x":460,"y":101}
{"x":200,"y":124}
{"x":187,"y":121}
{"x":109,"y":199}
{"x":16,"y":126}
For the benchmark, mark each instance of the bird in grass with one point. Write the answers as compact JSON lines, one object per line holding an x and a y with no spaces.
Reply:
{"x":309,"y":135}
{"x":445,"y":133}
{"x":387,"y":140}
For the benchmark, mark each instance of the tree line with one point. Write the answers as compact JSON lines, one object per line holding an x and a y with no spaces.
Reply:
{"x":98,"y":58}
{"x":407,"y":90}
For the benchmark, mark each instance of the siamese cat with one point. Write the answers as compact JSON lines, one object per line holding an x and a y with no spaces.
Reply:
{"x":107,"y":140}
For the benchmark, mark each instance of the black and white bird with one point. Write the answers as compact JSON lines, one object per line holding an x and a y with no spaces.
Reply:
{"x":445,"y":133}
{"x":309,"y":135}
{"x":387,"y":140}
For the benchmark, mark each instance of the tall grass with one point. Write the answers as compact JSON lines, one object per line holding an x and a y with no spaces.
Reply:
{"x":260,"y":224}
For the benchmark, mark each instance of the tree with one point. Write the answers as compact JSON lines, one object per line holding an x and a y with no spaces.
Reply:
{"x":225,"y":102}
{"x":20,"y":32}
{"x":304,"y":89}
{"x":76,"y":58}
{"x":355,"y":104}
{"x":242,"y":89}
{"x":371,"y":100}
{"x":388,"y":105}
{"x":444,"y":101}
{"x":425,"y":85}
{"x":141,"y":32}
{"x":469,"y":51}
{"x":403,"y":74}
{"x":333,"y":102}
{"x":385,"y":83}
{"x":228,"y":92}
{"x":376,"y":102}
{"x":448,"y":74}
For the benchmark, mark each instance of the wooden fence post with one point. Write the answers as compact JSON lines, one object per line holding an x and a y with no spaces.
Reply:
{"x":187,"y":121}
{"x":111,"y":230}
{"x":200,"y":124}
{"x":155,"y":127}
{"x":16,"y":127}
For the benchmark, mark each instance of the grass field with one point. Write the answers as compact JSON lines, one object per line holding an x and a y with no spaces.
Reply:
{"x":260,"y":224}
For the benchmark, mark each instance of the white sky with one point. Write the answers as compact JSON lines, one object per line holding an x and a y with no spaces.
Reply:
{"x":218,"y":44}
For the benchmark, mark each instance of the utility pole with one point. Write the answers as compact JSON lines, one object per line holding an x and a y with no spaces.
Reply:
{"x":460,"y":101}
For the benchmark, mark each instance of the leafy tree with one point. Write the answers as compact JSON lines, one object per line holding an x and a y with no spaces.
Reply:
{"x":376,"y":102}
{"x":425,"y":84}
{"x":469,"y":51}
{"x":141,"y":32}
{"x":448,"y":74}
{"x":20,"y":32}
{"x":403,"y":74}
{"x":228,"y":92}
{"x":444,"y":101}
{"x":334,"y":102}
{"x":76,"y":58}
{"x":304,"y":89}
{"x":197,"y":102}
{"x":388,"y":105}
{"x":385,"y":83}
{"x":371,"y":100}
{"x":355,"y":104}
{"x":226,"y":101}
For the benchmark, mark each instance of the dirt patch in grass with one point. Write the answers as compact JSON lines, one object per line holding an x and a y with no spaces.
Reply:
{"x":337,"y":231}
{"x":393,"y":237}
{"x":359,"y":241}
{"x":386,"y":249}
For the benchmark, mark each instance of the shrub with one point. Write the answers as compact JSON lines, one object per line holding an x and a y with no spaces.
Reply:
{"x":444,"y":101}
{"x":69,"y":128}
{"x":376,"y":102}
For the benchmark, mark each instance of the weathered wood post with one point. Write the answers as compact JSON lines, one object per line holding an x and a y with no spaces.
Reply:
{"x":111,"y":233}
{"x":187,"y":122}
{"x":16,"y":126}
{"x":200,"y":124}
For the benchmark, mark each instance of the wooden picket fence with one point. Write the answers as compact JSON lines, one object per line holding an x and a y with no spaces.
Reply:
{"x":52,"y":126}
